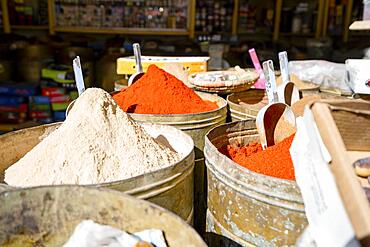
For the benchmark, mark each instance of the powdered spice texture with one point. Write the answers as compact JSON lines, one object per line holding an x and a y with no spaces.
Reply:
{"x":274,"y":161}
{"x":97,"y":143}
{"x":158,"y":92}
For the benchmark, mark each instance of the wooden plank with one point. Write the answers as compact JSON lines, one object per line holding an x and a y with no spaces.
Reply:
{"x":326,"y":17}
{"x":138,"y":31}
{"x":278,"y":9}
{"x":30,"y":27}
{"x":51,"y":16}
{"x":5,"y":13}
{"x":234,"y":27}
{"x":191,"y":21}
{"x":360,"y":25}
{"x":347,"y":21}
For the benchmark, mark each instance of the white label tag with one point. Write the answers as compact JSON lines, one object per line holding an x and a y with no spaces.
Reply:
{"x":328,"y":220}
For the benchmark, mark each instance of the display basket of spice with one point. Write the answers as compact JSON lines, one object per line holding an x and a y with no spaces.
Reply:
{"x":224,"y":82}
{"x":252,"y":195}
{"x":48,"y":216}
{"x":245,"y":105}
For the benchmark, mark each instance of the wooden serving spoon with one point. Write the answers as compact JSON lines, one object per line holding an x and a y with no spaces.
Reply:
{"x":276,"y":121}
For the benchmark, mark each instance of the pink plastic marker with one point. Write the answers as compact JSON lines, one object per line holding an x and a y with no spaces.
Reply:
{"x":260,"y":84}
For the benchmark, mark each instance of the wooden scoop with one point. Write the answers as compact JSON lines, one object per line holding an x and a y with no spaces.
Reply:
{"x":139,"y":68}
{"x":276,"y":121}
{"x":288,"y":93}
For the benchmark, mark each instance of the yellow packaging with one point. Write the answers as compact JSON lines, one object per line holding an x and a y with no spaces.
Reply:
{"x":126,"y":65}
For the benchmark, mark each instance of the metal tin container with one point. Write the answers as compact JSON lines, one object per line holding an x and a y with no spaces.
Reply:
{"x":245,"y":206}
{"x":6,"y":70}
{"x":171,"y":187}
{"x":245,"y":105}
{"x":47,"y":216}
{"x":106,"y":69}
{"x":31,"y":60}
{"x":195,"y":125}
{"x":35,"y":51}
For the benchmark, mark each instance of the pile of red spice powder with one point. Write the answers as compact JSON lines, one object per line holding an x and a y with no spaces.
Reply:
{"x":158,"y":92}
{"x":274,"y":161}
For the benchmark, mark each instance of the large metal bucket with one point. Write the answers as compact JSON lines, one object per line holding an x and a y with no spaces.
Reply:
{"x":245,"y":206}
{"x":195,"y":125}
{"x":47,"y":216}
{"x":171,"y":187}
{"x":245,"y":105}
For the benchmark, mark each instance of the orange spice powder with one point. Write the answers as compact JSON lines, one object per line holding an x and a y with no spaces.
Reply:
{"x":158,"y":92}
{"x":274,"y":161}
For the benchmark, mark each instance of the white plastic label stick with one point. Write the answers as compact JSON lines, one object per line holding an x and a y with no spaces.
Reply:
{"x":78,"y":75}
{"x":283,"y":61}
{"x":268,"y":70}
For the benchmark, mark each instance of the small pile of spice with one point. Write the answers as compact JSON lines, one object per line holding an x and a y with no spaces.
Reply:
{"x":158,"y":92}
{"x":274,"y":161}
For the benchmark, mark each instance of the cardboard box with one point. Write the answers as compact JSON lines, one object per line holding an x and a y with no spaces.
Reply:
{"x":126,"y":65}
{"x":53,"y":91}
{"x":344,"y":126}
{"x":19,"y":89}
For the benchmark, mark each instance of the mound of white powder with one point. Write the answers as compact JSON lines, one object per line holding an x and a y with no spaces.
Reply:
{"x":98,"y":142}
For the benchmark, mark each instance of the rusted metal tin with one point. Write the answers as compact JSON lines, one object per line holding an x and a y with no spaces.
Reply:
{"x":245,"y":105}
{"x":245,"y":206}
{"x":47,"y":216}
{"x":171,"y":187}
{"x":195,"y":125}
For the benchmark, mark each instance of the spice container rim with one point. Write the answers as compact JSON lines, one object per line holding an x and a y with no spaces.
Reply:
{"x":220,"y":101}
{"x":111,"y":191}
{"x":211,"y":148}
{"x":229,"y":100}
{"x":180,"y":134}
{"x":253,"y":172}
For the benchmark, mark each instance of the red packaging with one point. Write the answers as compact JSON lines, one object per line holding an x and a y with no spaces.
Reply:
{"x":53,"y":91}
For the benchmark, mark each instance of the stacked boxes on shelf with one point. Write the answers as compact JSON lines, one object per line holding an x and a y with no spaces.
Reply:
{"x":22,"y":12}
{"x":59,"y":100}
{"x":117,"y":13}
{"x":23,"y":105}
{"x":14,"y":105}
{"x":40,"y":111}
